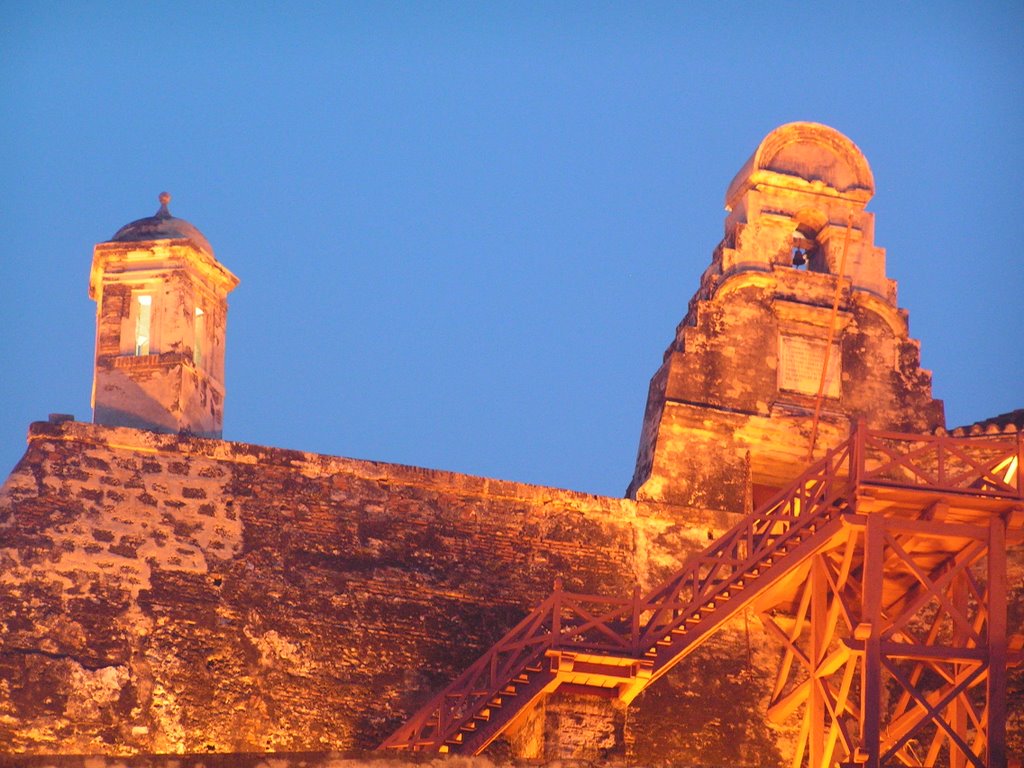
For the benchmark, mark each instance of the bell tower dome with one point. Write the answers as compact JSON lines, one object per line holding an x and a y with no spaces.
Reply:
{"x":793,"y":335}
{"x":161,"y":315}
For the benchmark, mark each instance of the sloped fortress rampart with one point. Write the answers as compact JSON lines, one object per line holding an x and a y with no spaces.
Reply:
{"x":163,"y":591}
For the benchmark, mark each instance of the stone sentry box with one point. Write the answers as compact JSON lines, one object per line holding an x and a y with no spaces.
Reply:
{"x":160,"y":327}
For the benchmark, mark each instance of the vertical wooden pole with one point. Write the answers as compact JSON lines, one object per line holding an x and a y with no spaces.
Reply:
{"x":858,"y":451}
{"x":871,"y":618}
{"x":1020,"y":464}
{"x":817,"y":615}
{"x":556,"y":613}
{"x":634,"y":622}
{"x":957,"y":711}
{"x":996,"y":643}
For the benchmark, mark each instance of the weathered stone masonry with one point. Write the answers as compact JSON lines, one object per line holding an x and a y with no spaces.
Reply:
{"x":167,"y":594}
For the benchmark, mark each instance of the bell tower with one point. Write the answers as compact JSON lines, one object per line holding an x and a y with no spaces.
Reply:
{"x":161,"y":315}
{"x":793,"y":334}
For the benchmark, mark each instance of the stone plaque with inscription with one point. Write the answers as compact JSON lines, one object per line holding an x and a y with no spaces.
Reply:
{"x":801,"y":360}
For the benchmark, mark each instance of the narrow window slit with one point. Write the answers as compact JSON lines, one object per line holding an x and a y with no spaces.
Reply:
{"x":143,"y":323}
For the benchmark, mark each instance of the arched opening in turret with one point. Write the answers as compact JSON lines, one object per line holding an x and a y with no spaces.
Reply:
{"x":808,"y":252}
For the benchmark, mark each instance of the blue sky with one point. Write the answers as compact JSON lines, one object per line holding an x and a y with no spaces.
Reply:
{"x":467,"y":231}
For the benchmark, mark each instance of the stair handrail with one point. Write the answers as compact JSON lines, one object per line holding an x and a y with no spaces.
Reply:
{"x":809,"y":499}
{"x":546,"y":629}
{"x":564,"y":620}
{"x":445,"y":712}
{"x":975,"y":465}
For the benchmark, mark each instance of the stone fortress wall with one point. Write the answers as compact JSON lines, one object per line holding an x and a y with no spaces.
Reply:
{"x":165,"y":593}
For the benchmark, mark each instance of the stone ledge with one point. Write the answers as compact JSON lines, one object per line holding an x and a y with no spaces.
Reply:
{"x":324,"y":465}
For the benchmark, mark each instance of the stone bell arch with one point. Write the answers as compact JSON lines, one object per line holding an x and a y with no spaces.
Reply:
{"x":794,"y":330}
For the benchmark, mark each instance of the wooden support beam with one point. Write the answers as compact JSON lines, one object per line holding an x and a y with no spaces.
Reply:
{"x":786,"y":705}
{"x":870,"y":632}
{"x":997,"y":643}
{"x":957,"y":712}
{"x":818,"y":649}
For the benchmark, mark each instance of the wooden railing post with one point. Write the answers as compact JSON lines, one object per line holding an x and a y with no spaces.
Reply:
{"x":442,"y":723}
{"x":858,"y":453}
{"x":1020,"y":464}
{"x":869,"y":632}
{"x":556,"y":613}
{"x":997,"y":625}
{"x":635,"y":622}
{"x":940,"y":460}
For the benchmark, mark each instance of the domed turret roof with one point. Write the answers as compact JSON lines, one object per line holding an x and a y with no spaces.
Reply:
{"x":800,"y":154}
{"x":161,"y":226}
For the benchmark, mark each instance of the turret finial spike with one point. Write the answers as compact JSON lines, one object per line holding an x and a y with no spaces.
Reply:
{"x":164,"y":198}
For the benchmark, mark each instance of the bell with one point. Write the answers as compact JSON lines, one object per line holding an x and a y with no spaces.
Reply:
{"x":799,"y":258}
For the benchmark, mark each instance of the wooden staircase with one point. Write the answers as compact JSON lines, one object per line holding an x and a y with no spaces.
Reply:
{"x":617,"y":646}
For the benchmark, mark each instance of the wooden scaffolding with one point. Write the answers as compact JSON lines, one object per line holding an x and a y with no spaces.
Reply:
{"x":881,"y":571}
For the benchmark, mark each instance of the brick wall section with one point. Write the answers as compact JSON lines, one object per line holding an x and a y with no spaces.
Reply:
{"x":165,"y":594}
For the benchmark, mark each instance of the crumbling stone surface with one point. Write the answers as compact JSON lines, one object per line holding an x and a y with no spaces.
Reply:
{"x":712,"y":705}
{"x":161,"y":367}
{"x":168,"y":594}
{"x":277,"y":760}
{"x":718,"y":418}
{"x":583,"y":728}
{"x":751,"y":374}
